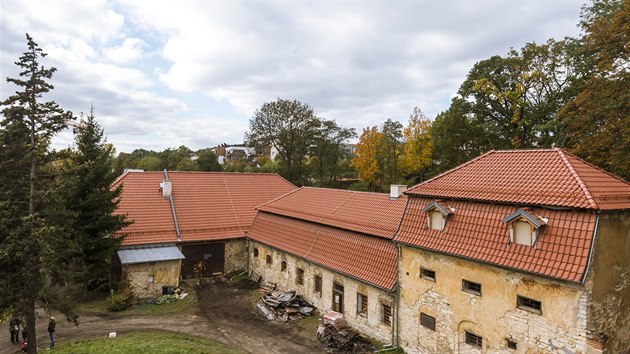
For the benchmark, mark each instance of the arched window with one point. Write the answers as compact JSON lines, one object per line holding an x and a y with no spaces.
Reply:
{"x":268,"y":259}
{"x":283,"y":266}
{"x":256,"y":252}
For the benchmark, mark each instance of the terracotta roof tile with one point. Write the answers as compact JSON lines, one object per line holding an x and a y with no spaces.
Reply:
{"x":370,"y":259}
{"x":486,"y":238}
{"x":550,"y":177}
{"x":208,"y":205}
{"x":369,"y":213}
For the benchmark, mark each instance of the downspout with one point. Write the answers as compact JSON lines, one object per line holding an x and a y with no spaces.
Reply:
{"x":590,"y":253}
{"x":170,"y":198}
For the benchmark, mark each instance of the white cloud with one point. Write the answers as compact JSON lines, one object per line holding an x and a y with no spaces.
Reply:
{"x":131,"y":50}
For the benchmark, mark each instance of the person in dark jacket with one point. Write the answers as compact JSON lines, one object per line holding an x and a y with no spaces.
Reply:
{"x":51,"y":331}
{"x":14,"y":328}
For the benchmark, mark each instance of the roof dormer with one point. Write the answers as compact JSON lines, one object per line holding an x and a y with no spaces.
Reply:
{"x":437,"y":213}
{"x":524,"y":226}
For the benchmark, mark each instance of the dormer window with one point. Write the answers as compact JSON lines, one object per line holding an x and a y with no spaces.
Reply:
{"x":524,"y":226}
{"x":437,"y":213}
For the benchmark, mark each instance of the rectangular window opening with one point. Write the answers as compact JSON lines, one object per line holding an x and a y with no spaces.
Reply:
{"x":511,"y":344}
{"x":427,"y":274}
{"x":300,"y":276}
{"x":318,"y":284}
{"x":427,"y":321}
{"x":386,"y":314}
{"x":474,"y":340}
{"x":528,"y":304}
{"x":362,"y":304}
{"x":471,"y":287}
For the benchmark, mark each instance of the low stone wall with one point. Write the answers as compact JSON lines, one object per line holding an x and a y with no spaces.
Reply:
{"x":139,"y":277}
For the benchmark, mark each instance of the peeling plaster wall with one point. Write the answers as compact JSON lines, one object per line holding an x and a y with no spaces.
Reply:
{"x":609,"y":276}
{"x":164,"y":274}
{"x":494,"y":316}
{"x":235,"y":255}
{"x":370,"y":325}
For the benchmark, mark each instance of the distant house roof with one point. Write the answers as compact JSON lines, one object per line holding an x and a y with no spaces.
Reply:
{"x":208,"y":205}
{"x":149,"y":254}
{"x":476,"y":230}
{"x":369,"y":213}
{"x":550,"y":177}
{"x":370,"y":259}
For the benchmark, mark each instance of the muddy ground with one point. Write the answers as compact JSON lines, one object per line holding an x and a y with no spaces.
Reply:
{"x":224,"y":314}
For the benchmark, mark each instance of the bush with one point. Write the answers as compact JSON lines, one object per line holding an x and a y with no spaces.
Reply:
{"x":119,"y":301}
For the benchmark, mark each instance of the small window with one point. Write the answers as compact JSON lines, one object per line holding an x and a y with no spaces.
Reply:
{"x":471,"y":287}
{"x":510,"y":344}
{"x":151,"y":278}
{"x":268,"y":259}
{"x":362,"y":304}
{"x":427,"y":274}
{"x":283,"y":266}
{"x":300,"y":277}
{"x":386,"y":312}
{"x":318,"y":284}
{"x":474,"y":340}
{"x":256,"y":252}
{"x":530,"y":305}
{"x":436,"y":220}
{"x":427,"y":321}
{"x":523,"y":233}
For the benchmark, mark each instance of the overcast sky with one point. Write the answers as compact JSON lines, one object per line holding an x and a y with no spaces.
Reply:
{"x":165,"y":74}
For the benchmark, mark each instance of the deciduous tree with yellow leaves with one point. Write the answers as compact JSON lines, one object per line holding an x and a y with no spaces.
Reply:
{"x":365,"y":160}
{"x":418,"y":145}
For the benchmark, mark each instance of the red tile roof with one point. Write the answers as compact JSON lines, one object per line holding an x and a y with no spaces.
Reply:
{"x":209,"y":205}
{"x":476,"y":230}
{"x":369,"y":213}
{"x":367,"y":258}
{"x":550,"y":177}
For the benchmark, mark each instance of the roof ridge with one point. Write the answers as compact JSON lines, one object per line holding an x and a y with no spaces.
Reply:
{"x":577,"y":178}
{"x":346,"y":190}
{"x":455,"y":168}
{"x":595,"y":167}
{"x":120,"y":178}
{"x":280,"y":197}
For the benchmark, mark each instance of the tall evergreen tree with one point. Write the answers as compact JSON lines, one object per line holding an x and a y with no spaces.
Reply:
{"x":92,"y":168}
{"x":33,"y":238}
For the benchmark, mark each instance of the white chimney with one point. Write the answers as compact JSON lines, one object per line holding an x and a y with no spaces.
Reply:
{"x":396,"y":190}
{"x":167,"y":187}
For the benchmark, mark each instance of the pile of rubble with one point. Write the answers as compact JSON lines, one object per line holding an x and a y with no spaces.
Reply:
{"x":344,"y":340}
{"x":335,"y":337}
{"x":283,"y":305}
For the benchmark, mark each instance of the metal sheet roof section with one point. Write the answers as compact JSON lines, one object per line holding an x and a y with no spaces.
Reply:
{"x":149,"y":254}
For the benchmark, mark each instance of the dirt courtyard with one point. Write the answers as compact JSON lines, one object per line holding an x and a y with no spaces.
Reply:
{"x":224,"y":314}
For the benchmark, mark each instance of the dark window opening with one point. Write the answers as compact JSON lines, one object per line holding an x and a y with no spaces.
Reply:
{"x":268,"y":259}
{"x":300,"y":277}
{"x":530,"y":305}
{"x":255,"y":252}
{"x":318,"y":284}
{"x":471,"y":287}
{"x":427,"y":321}
{"x":474,"y":340}
{"x":283,"y":266}
{"x":386,"y":314}
{"x":427,"y":274}
{"x":511,"y":344}
{"x":362,"y":304}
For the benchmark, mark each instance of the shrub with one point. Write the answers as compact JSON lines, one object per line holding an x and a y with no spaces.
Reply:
{"x":119,"y":301}
{"x":165,"y":299}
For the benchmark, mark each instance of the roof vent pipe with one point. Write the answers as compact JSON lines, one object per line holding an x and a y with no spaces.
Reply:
{"x":396,"y":190}
{"x":167,"y":188}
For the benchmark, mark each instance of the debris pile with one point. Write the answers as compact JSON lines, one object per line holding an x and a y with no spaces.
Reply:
{"x":284,"y":305}
{"x":335,"y":340}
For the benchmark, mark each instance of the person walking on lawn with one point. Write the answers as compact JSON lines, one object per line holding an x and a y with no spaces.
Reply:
{"x":51,"y":332}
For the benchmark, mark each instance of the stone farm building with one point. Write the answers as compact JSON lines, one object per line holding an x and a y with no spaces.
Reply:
{"x":521,"y":251}
{"x":188,"y":224}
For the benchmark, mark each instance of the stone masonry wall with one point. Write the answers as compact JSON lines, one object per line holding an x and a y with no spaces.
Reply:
{"x":164,"y":273}
{"x":370,"y":324}
{"x":493,"y":315}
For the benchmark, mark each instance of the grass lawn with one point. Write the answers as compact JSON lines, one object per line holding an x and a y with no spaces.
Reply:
{"x":147,"y":342}
{"x":97,"y":304}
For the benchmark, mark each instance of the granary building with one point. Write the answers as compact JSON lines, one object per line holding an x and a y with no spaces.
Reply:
{"x":516,"y":252}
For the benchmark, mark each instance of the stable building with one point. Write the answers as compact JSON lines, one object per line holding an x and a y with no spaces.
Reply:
{"x":517,"y":251}
{"x":187,"y":224}
{"x":334,"y":247}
